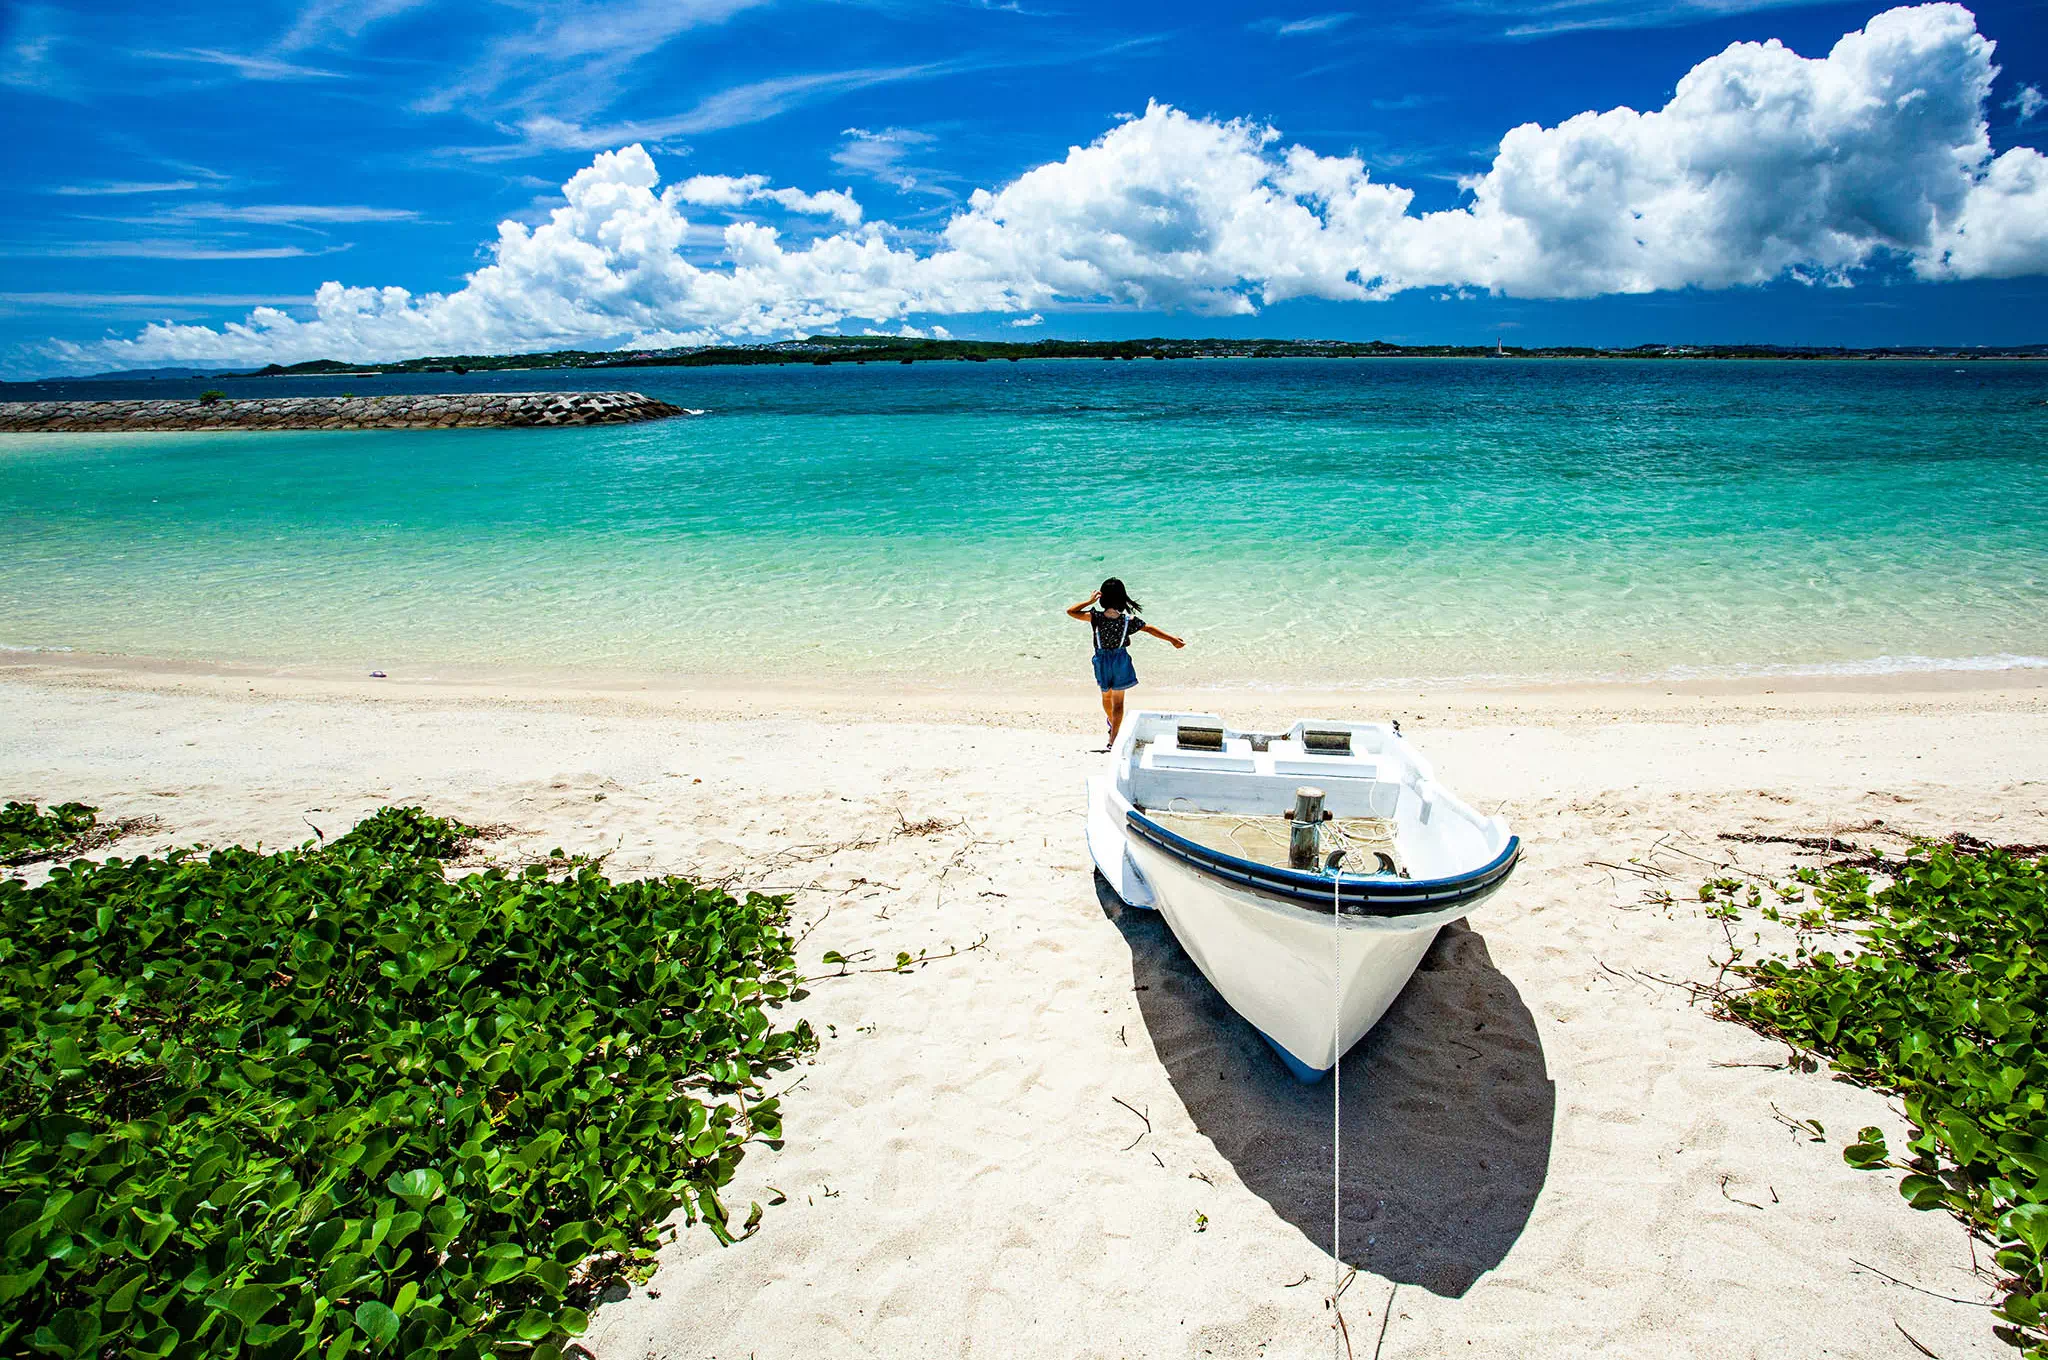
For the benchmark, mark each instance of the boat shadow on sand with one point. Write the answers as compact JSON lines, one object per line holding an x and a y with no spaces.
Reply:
{"x":1447,"y":1107}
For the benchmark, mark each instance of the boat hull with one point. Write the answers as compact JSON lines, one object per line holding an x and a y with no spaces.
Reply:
{"x":1106,"y":846}
{"x":1311,"y":982}
{"x":1312,"y":956}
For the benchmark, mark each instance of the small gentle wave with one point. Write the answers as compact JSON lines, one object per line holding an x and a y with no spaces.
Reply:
{"x":1875,"y":666}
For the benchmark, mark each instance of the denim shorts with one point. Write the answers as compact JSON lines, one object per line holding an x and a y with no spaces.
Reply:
{"x":1113,"y":669}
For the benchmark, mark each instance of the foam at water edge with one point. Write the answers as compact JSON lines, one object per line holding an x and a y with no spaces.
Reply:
{"x":1878,"y":665}
{"x":1738,"y":670}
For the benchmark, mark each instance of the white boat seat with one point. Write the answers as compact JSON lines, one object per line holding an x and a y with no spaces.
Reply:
{"x":1236,"y":757}
{"x":1333,"y":767}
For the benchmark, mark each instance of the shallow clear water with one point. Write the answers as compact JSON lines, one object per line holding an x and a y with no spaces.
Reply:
{"x":1328,"y":521}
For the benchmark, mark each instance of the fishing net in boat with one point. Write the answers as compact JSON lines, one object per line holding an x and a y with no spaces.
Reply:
{"x":1263,"y":839}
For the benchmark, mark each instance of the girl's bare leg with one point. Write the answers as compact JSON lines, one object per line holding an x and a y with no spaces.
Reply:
{"x":1114,"y":702}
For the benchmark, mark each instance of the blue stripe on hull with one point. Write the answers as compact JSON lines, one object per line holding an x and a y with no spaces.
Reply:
{"x":1358,"y":896}
{"x":1296,"y":1068}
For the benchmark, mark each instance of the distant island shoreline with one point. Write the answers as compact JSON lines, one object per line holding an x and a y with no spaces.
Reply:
{"x":828,"y":350}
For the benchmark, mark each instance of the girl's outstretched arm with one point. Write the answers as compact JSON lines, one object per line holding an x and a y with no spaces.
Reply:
{"x":1167,"y":637}
{"x":1080,"y":611}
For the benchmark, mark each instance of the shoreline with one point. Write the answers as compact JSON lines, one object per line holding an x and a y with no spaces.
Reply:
{"x":1026,"y":703}
{"x":807,"y":353}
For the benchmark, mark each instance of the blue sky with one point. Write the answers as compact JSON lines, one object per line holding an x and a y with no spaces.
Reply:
{"x":177,"y":168}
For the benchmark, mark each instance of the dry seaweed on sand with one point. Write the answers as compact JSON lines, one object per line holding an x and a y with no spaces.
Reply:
{"x":29,"y":834}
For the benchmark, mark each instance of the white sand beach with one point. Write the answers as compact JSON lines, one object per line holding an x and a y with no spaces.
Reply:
{"x":1062,"y":1142}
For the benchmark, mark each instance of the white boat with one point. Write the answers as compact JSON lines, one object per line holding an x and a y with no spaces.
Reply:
{"x":1308,"y":914}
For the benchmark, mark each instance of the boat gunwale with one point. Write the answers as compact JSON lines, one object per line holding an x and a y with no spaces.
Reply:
{"x":1358,"y":896}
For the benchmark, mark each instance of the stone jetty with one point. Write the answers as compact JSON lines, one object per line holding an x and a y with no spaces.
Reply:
{"x":444,"y":411}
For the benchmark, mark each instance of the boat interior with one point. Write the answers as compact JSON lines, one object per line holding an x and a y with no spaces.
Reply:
{"x":1234,"y":792}
{"x":1369,"y":843}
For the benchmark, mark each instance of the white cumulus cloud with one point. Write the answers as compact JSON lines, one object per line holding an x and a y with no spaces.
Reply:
{"x":1763,"y":165}
{"x":733,"y":191}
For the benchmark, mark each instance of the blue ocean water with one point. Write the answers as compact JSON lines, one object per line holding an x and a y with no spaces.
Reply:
{"x":1300,"y":521}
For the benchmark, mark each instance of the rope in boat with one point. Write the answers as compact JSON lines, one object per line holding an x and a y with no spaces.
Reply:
{"x":1341,"y":1338}
{"x":1346,"y":845}
{"x":1238,"y":821}
{"x":1337,"y":1097}
{"x":1366,"y":839}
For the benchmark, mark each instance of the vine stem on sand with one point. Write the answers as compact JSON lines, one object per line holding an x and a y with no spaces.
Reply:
{"x":905,"y":965}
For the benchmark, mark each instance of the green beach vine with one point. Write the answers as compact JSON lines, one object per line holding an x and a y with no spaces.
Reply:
{"x":329,"y":1101}
{"x":29,"y":833}
{"x":1940,"y":997}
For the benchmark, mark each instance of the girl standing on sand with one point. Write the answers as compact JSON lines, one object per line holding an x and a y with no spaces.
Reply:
{"x":1113,"y":615}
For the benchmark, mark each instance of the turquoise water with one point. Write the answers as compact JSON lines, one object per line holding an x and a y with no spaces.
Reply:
{"x":1299,"y":521}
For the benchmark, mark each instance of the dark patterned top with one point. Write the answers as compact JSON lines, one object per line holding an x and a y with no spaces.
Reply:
{"x":1112,"y":633}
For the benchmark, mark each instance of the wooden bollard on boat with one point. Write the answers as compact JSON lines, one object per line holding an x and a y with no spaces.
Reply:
{"x":1302,"y":837}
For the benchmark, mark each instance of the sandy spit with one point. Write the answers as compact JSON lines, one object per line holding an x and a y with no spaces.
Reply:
{"x":1062,"y":1143}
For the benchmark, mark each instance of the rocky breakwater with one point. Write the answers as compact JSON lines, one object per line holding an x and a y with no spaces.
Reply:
{"x":468,"y":410}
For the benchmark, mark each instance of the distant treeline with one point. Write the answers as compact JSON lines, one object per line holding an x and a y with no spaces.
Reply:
{"x":825,"y":350}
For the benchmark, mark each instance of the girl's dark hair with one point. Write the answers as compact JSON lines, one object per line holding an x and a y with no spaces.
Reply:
{"x":1114,"y":596}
